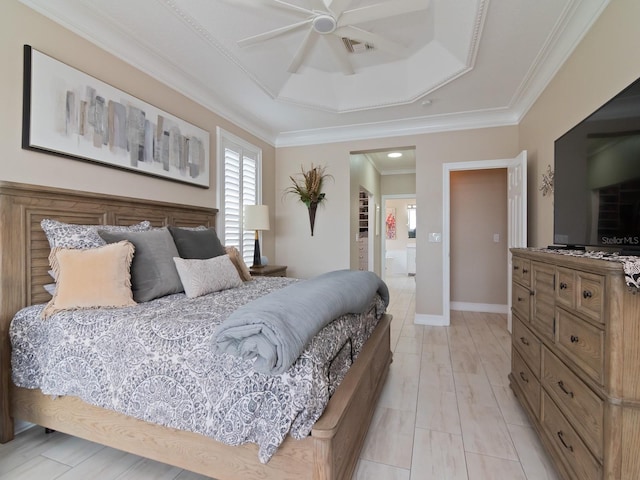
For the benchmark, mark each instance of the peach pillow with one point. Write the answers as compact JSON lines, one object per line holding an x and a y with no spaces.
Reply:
{"x":92,"y":278}
{"x":238,"y":262}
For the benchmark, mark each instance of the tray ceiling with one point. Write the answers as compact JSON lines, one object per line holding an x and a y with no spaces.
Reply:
{"x":313,"y":71}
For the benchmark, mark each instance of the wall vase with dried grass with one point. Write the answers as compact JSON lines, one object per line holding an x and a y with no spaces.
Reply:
{"x":307,"y":186}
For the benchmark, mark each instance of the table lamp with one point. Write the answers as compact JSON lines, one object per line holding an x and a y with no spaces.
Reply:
{"x":256,"y":217}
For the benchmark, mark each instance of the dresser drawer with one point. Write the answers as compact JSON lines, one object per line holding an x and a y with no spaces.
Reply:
{"x":521,"y":300}
{"x":527,"y":382}
{"x":527,"y":345}
{"x":590,"y":295}
{"x":543,"y":307}
{"x":579,"y":404}
{"x":566,"y":287}
{"x":522,"y":270}
{"x":582,"y":342}
{"x":567,"y":442}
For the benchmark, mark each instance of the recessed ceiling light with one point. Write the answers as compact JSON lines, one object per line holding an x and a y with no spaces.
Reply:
{"x":394,"y":155}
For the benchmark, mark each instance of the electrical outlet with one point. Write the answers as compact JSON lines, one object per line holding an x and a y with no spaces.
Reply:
{"x":435,"y":237}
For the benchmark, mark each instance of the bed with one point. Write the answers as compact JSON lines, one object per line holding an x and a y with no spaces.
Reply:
{"x":330,"y":452}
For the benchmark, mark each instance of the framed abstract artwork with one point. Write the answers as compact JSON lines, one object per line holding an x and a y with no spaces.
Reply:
{"x":69,"y":113}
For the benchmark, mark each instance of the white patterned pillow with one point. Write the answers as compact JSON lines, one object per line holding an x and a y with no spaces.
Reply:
{"x":69,"y":235}
{"x":200,"y":277}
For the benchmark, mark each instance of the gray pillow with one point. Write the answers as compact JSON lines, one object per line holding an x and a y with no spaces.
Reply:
{"x":153,"y":271}
{"x":198,"y":244}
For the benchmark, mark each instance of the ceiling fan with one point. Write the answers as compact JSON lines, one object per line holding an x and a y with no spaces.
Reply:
{"x":331,"y":20}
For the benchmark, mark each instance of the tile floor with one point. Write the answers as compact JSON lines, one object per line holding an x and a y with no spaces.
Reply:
{"x":446,"y":413}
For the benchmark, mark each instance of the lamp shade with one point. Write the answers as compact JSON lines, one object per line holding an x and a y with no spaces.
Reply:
{"x":256,"y":217}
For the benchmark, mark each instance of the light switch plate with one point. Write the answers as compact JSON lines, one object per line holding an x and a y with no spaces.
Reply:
{"x":435,"y":237}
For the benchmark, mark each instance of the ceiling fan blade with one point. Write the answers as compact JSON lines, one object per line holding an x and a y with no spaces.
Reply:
{"x":318,"y":5}
{"x":338,"y":6}
{"x":337,"y":47}
{"x":309,"y":41}
{"x":296,"y":8}
{"x":381,"y":10}
{"x":373,"y":39}
{"x":272,"y":33}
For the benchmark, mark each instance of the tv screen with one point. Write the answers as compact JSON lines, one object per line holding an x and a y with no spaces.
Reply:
{"x":597,"y":177}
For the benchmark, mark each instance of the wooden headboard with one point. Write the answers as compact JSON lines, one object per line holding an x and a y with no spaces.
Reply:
{"x":24,"y":249}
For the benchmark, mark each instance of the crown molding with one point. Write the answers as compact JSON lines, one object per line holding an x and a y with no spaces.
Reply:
{"x":399,"y":128}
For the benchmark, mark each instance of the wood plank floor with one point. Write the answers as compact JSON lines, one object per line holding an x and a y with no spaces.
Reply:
{"x":446,"y":413}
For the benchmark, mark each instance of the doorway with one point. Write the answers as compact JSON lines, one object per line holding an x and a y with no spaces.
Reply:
{"x":516,"y":219}
{"x":398,"y":234}
{"x":376,"y":174}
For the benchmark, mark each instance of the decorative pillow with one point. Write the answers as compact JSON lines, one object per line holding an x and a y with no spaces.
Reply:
{"x":238,"y":262}
{"x":69,"y":235}
{"x":199,"y":244}
{"x":153,"y":273}
{"x":97,"y":277}
{"x":200,"y":277}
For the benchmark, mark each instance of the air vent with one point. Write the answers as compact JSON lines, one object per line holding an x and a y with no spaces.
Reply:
{"x":353,"y":46}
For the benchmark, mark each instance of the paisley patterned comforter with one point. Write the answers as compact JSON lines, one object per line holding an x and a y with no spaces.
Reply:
{"x":154,"y":361}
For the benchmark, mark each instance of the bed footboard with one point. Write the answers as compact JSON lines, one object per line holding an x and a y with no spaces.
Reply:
{"x":339,"y":434}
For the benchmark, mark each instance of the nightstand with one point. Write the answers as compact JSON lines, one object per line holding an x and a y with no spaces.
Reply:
{"x":269,"y":271}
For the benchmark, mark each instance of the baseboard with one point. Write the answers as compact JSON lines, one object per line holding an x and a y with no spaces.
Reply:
{"x":20,"y":426}
{"x":431,"y":320}
{"x":479,"y":307}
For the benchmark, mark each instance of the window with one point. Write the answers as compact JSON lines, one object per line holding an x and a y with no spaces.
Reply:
{"x":411,"y":220}
{"x":239,"y":182}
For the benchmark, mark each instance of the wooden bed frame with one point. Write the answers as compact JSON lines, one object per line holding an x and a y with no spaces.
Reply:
{"x":330,"y":453}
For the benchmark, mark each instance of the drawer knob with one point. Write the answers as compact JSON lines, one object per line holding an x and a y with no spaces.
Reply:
{"x":564,"y":389}
{"x":561,"y":437}
{"x":563,"y":286}
{"x":524,"y":270}
{"x":574,"y":339}
{"x":586,"y":294}
{"x":520,"y":299}
{"x":524,"y":341}
{"x":515,"y":267}
{"x":524,"y":377}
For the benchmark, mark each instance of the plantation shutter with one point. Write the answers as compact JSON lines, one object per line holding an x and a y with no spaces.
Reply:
{"x":240,"y":184}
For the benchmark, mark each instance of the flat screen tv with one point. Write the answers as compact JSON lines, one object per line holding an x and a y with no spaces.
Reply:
{"x":597,"y":178}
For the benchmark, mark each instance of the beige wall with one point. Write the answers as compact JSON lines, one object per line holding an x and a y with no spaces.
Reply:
{"x":20,"y":25}
{"x":400,"y":184}
{"x":604,"y":63}
{"x":478,"y":212}
{"x":331,"y":247}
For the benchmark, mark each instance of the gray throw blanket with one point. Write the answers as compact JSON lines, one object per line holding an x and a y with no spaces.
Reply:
{"x":274,"y":329}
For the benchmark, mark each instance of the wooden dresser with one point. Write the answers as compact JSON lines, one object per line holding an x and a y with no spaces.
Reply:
{"x":575,"y":364}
